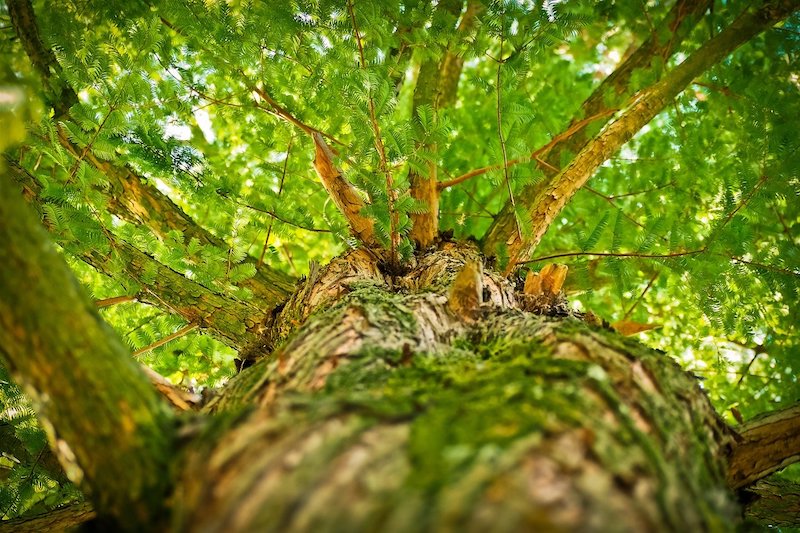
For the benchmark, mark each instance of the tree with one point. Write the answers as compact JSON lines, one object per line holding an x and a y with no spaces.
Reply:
{"x":430,"y":376}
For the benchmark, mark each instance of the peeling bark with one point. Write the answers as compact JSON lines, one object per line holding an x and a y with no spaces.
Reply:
{"x":342,"y":192}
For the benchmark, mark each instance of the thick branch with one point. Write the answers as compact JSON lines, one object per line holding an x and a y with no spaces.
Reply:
{"x":343,"y":193}
{"x":768,"y":443}
{"x":236,"y":322}
{"x":70,"y":363}
{"x":437,"y":84}
{"x":774,"y":503}
{"x":610,"y":95}
{"x":130,"y":197}
{"x":43,"y":59}
{"x":557,"y":191}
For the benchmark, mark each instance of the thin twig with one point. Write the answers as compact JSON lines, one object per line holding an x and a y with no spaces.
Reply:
{"x":744,"y":201}
{"x":500,"y":128}
{"x":82,"y":155}
{"x":161,"y":342}
{"x":280,"y":190}
{"x":611,"y":202}
{"x":281,"y":112}
{"x":766,"y":267}
{"x":391,"y":194}
{"x":746,"y":372}
{"x":616,"y":254}
{"x":106,"y":302}
{"x":534,"y":156}
{"x":641,"y":297}
{"x":644,"y":191}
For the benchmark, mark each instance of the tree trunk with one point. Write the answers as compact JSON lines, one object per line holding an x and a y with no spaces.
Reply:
{"x":388,"y":410}
{"x":441,"y":398}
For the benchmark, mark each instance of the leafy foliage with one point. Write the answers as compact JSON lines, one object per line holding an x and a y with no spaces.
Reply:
{"x":694,"y":225}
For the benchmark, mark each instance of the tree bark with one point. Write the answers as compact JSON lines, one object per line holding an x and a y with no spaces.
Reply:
{"x":773,"y":504}
{"x":105,"y":422}
{"x":437,"y":84}
{"x":63,"y":519}
{"x":764,"y":445}
{"x":131,"y":198}
{"x":429,"y":401}
{"x":386,"y":410}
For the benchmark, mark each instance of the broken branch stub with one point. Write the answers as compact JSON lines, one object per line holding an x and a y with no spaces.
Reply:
{"x":466,"y":293}
{"x":547,"y":281}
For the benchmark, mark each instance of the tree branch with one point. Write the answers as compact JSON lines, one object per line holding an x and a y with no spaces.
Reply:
{"x":61,"y":519}
{"x":535,"y":155}
{"x":681,"y":253}
{"x":343,"y":193}
{"x":234,"y":321}
{"x":391,"y":193}
{"x":766,"y":444}
{"x":437,"y":85}
{"x":107,"y":302}
{"x":558,"y":190}
{"x":122,"y":450}
{"x":131,"y":198}
{"x":610,"y":95}
{"x":773,"y":503}
{"x":180,"y":399}
{"x":161,"y":342}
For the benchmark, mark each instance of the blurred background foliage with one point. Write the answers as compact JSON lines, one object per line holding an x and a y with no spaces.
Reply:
{"x":702,"y":203}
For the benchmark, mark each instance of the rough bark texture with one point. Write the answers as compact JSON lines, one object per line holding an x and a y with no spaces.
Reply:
{"x":765,"y":444}
{"x":105,"y":422}
{"x":385,"y":410}
{"x":773,"y":503}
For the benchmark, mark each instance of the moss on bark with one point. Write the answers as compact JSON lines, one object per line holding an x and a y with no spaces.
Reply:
{"x":384,"y":411}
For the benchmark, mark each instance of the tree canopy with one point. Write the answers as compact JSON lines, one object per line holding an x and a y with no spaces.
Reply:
{"x":192,"y":159}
